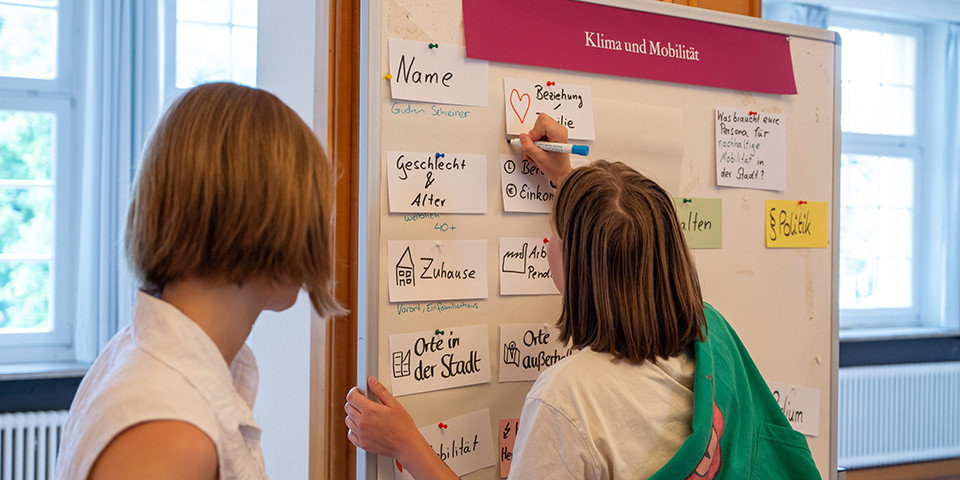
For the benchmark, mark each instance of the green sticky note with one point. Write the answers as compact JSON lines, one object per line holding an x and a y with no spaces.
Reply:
{"x":701,"y":220}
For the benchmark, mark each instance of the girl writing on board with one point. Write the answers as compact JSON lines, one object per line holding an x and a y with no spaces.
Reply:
{"x":662,"y":387}
{"x":230,"y":216}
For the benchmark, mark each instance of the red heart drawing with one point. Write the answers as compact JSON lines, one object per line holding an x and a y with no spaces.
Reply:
{"x":520,"y":102}
{"x":753,"y":113}
{"x":400,"y":467}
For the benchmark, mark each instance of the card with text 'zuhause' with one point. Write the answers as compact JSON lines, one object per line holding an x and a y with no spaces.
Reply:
{"x":423,"y":270}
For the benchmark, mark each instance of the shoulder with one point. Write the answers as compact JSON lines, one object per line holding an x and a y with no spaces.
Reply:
{"x":576,"y":374}
{"x":136,"y":379}
{"x":157,"y":449}
{"x":720,"y":334}
{"x":125,"y":388}
{"x":594,"y":379}
{"x":712,"y":315}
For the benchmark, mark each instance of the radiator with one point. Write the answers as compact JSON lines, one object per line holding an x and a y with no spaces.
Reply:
{"x":898,"y":414}
{"x":28,"y":444}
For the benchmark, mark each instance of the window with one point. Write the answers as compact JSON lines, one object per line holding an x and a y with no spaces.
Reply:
{"x":64,"y":184}
{"x":882,"y":114}
{"x":210,"y":40}
{"x":36,"y":180}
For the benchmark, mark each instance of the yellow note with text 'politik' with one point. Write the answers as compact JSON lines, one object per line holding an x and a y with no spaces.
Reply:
{"x":796,"y":224}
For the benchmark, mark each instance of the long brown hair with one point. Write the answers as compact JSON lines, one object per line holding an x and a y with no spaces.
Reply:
{"x":631,"y":287}
{"x":233,"y":184}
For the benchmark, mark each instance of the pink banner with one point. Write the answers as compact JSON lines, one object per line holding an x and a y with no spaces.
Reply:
{"x":573,"y":35}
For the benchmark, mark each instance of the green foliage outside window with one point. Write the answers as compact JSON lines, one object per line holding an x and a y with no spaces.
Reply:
{"x":26,"y":226}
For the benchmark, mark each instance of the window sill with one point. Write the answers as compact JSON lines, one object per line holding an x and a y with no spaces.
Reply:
{"x":41,"y":371}
{"x":896,"y":346}
{"x":894,"y":333}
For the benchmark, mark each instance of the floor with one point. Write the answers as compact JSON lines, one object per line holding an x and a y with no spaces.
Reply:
{"x":939,"y":470}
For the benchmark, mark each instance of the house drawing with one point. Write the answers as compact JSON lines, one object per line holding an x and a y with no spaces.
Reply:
{"x":405,"y":276}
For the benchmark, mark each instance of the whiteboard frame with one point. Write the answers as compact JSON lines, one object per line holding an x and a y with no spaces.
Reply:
{"x":835,"y":270}
{"x":368,"y":223}
{"x":371,"y":29}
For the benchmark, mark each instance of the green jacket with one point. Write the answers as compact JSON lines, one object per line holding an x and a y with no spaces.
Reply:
{"x":732,"y":403}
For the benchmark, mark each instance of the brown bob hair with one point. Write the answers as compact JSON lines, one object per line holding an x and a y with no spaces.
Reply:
{"x":233,"y":185}
{"x":630,"y":284}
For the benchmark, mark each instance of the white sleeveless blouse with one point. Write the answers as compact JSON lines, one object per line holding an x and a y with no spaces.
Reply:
{"x":165,"y":367}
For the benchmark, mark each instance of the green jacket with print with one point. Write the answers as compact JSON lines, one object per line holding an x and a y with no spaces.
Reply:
{"x":739,"y":431}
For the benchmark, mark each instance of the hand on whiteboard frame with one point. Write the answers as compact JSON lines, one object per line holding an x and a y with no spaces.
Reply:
{"x":555,"y":165}
{"x":389,"y":430}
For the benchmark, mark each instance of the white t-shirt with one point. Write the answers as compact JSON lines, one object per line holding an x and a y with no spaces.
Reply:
{"x":588,"y":417}
{"x":165,"y":367}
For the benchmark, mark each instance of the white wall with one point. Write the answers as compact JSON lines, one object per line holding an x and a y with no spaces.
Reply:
{"x":281,"y":341}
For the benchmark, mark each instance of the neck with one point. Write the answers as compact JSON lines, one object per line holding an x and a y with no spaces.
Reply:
{"x":225,"y":311}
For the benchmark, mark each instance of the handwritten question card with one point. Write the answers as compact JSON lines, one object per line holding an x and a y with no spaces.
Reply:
{"x":796,"y":224}
{"x":464,"y":443}
{"x":571,"y":105}
{"x":701,"y":220}
{"x":800,"y":404}
{"x":751,"y":149}
{"x":439,"y":359}
{"x":525,"y":188}
{"x":528,"y":349}
{"x":423,"y":182}
{"x":436,"y":270}
{"x":508,"y":438}
{"x":524,"y":269}
{"x":438,"y":73}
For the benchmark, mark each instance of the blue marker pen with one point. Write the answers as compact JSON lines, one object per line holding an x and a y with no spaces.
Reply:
{"x":582,"y":150}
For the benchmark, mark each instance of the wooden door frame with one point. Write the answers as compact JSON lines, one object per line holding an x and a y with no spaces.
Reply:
{"x":343,"y":147}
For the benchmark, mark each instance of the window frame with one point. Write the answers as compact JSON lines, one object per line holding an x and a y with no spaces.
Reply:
{"x":63,"y":82}
{"x":168,"y":53}
{"x":906,"y":146}
{"x":168,"y":44}
{"x":881,"y":317}
{"x":55,"y":96}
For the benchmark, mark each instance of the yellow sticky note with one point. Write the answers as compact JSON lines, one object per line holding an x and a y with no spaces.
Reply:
{"x":796,"y":224}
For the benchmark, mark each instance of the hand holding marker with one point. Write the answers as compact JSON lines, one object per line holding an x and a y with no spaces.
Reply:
{"x":582,"y":150}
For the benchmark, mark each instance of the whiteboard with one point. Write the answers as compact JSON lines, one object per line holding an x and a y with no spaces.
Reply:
{"x":782,"y":302}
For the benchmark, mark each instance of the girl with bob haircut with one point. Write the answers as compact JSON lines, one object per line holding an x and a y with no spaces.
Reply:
{"x":230,"y":216}
{"x":662,"y":388}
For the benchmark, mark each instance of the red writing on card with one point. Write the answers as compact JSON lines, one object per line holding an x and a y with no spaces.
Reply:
{"x":519,"y":101}
{"x":508,"y":437}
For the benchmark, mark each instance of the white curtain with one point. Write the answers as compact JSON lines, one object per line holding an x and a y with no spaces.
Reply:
{"x":107,"y":104}
{"x":951,"y":163}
